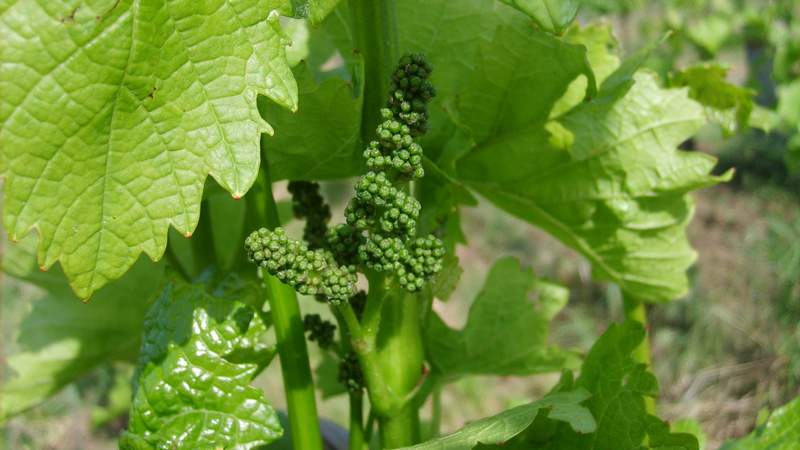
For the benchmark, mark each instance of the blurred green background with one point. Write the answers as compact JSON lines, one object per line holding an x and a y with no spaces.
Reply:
{"x":724,"y":355}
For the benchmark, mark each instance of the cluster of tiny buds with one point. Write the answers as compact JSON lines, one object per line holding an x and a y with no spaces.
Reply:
{"x":309,"y":272}
{"x":319,"y":330}
{"x":343,"y":241}
{"x":412,"y":264}
{"x":377,"y":201}
{"x":307,"y":203}
{"x":410,"y":91}
{"x":381,"y":253}
{"x":424,"y":261}
{"x":350,"y":374}
{"x":395,"y":148}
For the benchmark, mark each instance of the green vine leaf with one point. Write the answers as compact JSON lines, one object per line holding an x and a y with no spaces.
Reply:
{"x":602,"y":51}
{"x":192,"y":386}
{"x":114,"y":112}
{"x":61,"y":339}
{"x":618,"y":386}
{"x":322,"y":140}
{"x":498,"y":429}
{"x":551,"y":15}
{"x":506,"y":333}
{"x":605,"y":178}
{"x":724,"y":103}
{"x":511,"y":90}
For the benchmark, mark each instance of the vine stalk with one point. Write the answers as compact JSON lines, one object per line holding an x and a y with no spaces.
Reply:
{"x":375,"y":36}
{"x":289,"y":332}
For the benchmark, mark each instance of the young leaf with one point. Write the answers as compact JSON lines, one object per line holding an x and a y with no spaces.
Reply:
{"x":114,"y":112}
{"x":506,"y":333}
{"x":618,"y":386}
{"x":602,"y":48}
{"x":551,"y":15}
{"x":724,"y":103}
{"x":602,"y":52}
{"x":780,"y":432}
{"x":322,"y":139}
{"x":62,"y":338}
{"x":612,"y":185}
{"x":192,"y":387}
{"x":498,"y":429}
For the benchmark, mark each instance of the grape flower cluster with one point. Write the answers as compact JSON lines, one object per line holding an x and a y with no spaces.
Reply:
{"x":350,"y":374}
{"x":308,"y":204}
{"x":310,"y":272}
{"x":382,"y":214}
{"x":319,"y":330}
{"x":380,"y":229}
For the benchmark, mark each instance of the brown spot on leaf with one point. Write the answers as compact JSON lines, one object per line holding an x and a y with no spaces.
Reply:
{"x":69,"y":18}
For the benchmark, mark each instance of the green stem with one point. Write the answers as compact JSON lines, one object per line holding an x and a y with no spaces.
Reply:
{"x":400,"y":430}
{"x":369,"y":426}
{"x":371,"y":317}
{"x":400,"y":354}
{"x":356,"y":440}
{"x":375,"y":36}
{"x":363,"y":342}
{"x":636,"y":310}
{"x":391,"y":357}
{"x":288,"y":324}
{"x":436,"y":412}
{"x":298,"y":385}
{"x":344,"y":314}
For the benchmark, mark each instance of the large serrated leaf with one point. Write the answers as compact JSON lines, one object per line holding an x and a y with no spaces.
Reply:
{"x":506,"y":332}
{"x":605,"y":179}
{"x":618,"y":385}
{"x":725,"y":103}
{"x":114,"y":112}
{"x":192,"y":387}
